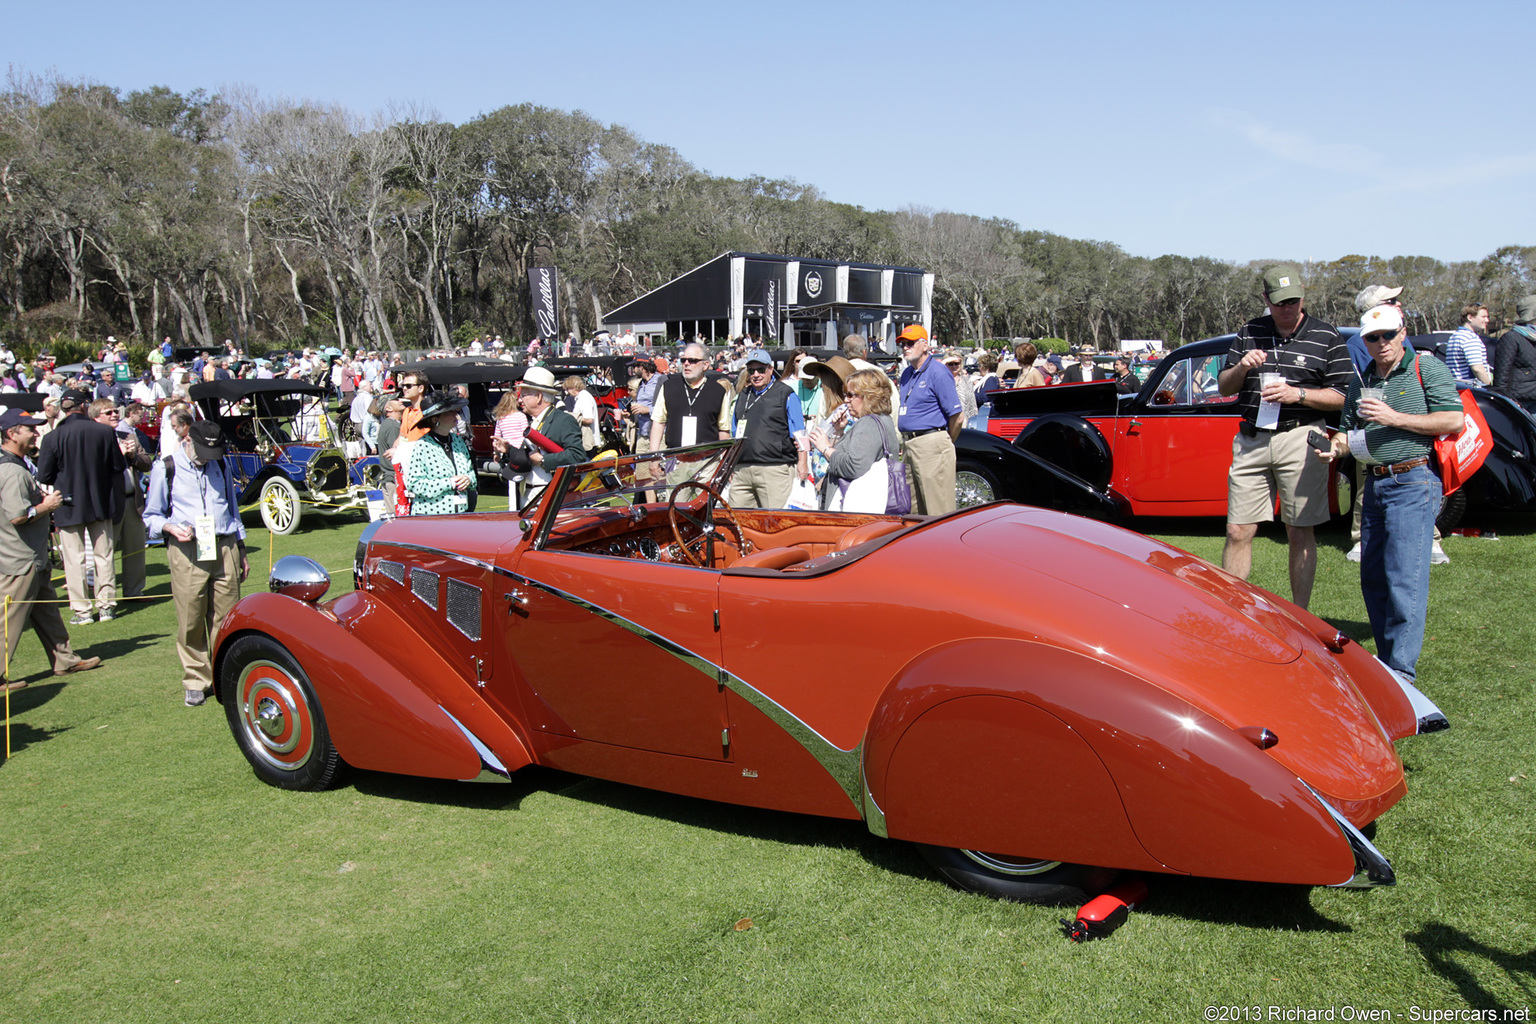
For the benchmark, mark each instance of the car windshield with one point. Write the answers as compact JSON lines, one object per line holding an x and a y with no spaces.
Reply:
{"x":638,"y":479}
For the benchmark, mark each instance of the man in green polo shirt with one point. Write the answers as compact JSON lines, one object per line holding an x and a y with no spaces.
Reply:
{"x":1391,"y":419}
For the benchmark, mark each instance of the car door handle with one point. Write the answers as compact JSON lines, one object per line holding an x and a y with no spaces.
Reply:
{"x":517,"y":602}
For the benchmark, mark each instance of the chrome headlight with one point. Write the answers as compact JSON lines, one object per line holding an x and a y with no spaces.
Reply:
{"x":299,"y":577}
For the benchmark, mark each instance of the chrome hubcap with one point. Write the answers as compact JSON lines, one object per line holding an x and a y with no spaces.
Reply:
{"x":275,"y":717}
{"x":270,"y":718}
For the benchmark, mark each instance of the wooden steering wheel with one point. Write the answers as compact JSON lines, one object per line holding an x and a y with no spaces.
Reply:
{"x":715,"y":507}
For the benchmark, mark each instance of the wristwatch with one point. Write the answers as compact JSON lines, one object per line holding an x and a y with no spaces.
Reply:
{"x":1303,"y":399}
{"x":31,"y":512}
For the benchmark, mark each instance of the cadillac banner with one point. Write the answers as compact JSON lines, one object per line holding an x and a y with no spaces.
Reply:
{"x":771,"y":309}
{"x":542,"y":282}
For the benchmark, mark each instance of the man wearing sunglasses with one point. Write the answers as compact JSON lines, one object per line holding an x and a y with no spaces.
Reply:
{"x":1288,"y":369}
{"x":1391,"y":419}
{"x":689,"y":410}
{"x":928,"y":416}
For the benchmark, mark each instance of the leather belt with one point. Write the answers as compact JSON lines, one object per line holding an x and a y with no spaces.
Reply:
{"x":1249,"y":430}
{"x":1399,"y":467}
{"x":908,"y":435}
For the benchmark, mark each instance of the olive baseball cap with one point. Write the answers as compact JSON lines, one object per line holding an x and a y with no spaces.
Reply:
{"x":1282,"y":281}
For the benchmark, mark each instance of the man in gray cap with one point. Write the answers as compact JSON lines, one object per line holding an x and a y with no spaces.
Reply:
{"x":1514,"y":361}
{"x":1288,"y":369}
{"x":774,"y":451}
{"x":25,"y":576}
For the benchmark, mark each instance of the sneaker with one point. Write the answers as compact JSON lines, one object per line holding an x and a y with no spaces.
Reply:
{"x":106,"y":615}
{"x":1354,"y":553}
{"x":195,"y":698}
{"x":81,"y":619}
{"x":83,"y":665}
{"x":1437,"y":555}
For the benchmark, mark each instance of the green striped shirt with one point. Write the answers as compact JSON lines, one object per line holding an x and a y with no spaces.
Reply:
{"x":1390,"y":445}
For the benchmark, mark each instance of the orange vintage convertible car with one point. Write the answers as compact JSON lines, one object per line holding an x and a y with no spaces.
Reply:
{"x":1035,"y":699}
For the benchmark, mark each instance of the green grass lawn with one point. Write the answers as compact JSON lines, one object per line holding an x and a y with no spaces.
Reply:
{"x":146,"y":875}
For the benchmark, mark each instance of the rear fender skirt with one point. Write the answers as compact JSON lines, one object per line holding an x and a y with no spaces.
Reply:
{"x":396,"y":713}
{"x":1180,"y":777}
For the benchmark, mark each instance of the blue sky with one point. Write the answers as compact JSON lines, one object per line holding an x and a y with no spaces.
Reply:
{"x":1239,"y":131}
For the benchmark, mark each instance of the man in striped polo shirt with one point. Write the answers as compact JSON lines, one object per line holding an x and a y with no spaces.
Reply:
{"x":1465,"y":353}
{"x":1288,"y":369}
{"x":1391,"y":428}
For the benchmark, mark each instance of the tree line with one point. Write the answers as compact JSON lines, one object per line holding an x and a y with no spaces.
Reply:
{"x":281,"y":224}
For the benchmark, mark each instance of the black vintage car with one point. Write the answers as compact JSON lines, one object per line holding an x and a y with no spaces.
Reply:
{"x":283,"y":449}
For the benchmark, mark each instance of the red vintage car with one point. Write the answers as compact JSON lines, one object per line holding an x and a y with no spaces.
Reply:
{"x":1163,"y":451}
{"x":1036,"y":699}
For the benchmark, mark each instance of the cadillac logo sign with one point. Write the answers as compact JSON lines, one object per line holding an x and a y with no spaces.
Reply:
{"x":812,"y":284}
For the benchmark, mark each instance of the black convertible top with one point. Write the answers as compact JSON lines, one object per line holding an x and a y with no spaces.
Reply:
{"x":470,"y":370}
{"x":230,"y":390}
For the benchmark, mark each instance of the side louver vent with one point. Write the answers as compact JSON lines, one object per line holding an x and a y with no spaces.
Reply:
{"x":464,"y":608}
{"x":394,"y":570}
{"x":424,"y":586}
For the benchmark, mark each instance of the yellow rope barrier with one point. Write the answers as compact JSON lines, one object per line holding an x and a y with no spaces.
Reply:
{"x":5,"y":609}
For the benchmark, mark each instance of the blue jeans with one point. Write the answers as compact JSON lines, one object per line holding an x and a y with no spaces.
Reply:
{"x":1397,"y":527}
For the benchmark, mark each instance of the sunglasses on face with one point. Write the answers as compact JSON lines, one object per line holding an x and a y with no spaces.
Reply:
{"x":1379,"y":339}
{"x":691,"y":362}
{"x":1287,"y":303}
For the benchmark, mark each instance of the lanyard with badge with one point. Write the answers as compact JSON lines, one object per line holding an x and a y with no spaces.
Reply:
{"x":747,"y":405}
{"x":690,"y":421}
{"x":202,"y":527}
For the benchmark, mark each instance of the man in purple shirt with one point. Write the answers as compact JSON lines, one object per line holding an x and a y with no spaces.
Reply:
{"x":930,"y":421}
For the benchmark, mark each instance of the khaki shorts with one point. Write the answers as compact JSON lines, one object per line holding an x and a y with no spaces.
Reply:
{"x":1274,"y":462}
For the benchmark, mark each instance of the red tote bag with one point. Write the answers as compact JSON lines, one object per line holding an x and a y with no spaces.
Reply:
{"x":1459,"y":455}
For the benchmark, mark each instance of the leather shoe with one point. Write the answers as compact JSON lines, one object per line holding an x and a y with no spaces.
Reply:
{"x":5,"y":687}
{"x":83,"y":665}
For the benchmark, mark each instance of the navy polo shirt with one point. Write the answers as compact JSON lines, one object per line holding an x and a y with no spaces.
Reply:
{"x":928,"y":397}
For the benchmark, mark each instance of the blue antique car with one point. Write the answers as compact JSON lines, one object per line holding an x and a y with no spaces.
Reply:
{"x":285,"y":450}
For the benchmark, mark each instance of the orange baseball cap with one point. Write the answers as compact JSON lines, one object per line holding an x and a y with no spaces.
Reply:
{"x":913,"y":333}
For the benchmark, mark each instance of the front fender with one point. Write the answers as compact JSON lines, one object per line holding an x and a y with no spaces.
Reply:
{"x":1021,"y":748}
{"x":390,"y":704}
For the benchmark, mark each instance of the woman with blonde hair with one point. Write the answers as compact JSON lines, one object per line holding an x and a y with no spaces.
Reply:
{"x":857,"y":477}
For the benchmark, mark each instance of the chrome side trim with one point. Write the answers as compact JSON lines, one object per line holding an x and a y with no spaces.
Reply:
{"x":1371,"y":867}
{"x":491,"y":768}
{"x":874,"y":817}
{"x":1430,"y":717}
{"x":842,"y":765}
{"x":360,"y":559}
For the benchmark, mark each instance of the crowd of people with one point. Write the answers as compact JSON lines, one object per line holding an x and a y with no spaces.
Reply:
{"x":839,"y":433}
